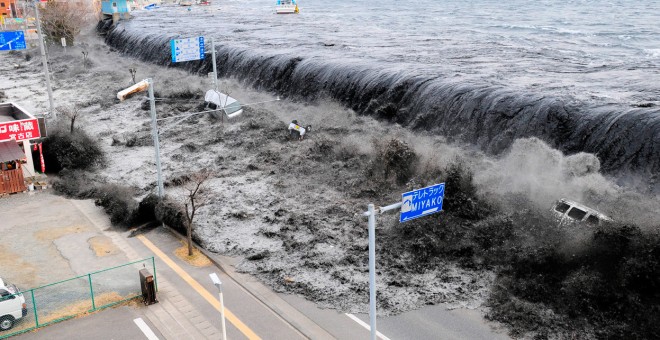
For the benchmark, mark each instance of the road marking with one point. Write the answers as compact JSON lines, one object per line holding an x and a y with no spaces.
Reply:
{"x":200,"y":289}
{"x":365,"y":325}
{"x":145,"y":329}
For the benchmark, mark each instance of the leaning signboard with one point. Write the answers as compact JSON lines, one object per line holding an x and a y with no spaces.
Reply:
{"x":187,"y":49}
{"x":12,"y":40}
{"x":422,"y":202}
{"x":19,"y":130}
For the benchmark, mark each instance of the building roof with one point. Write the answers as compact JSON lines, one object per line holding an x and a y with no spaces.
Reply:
{"x":10,"y":151}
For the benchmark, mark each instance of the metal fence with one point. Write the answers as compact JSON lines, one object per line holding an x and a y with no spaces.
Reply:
{"x":55,"y":302}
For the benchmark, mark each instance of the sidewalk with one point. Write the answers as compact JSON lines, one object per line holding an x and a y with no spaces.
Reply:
{"x":266,"y":296}
{"x":182,"y":314}
{"x":174,"y":316}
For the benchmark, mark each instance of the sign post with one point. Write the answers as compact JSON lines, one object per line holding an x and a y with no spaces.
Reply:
{"x":414,"y":204}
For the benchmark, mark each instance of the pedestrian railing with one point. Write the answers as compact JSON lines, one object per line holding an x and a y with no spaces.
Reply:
{"x":69,"y":298}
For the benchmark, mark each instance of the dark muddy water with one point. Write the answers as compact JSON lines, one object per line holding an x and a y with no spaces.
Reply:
{"x":581,"y":75}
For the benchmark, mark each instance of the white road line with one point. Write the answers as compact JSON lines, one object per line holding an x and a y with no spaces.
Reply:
{"x":145,"y":329}
{"x":365,"y":325}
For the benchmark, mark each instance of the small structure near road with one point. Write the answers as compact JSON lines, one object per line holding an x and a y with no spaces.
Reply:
{"x":17,"y":129}
{"x":11,"y":173}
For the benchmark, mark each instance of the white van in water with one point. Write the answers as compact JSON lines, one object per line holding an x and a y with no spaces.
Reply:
{"x":12,"y":305}
{"x":571,"y":212}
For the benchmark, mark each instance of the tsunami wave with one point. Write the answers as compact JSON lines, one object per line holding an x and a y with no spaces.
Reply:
{"x":625,"y":138}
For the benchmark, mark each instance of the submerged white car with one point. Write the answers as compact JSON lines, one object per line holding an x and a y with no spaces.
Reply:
{"x":568,"y":211}
{"x":12,"y":305}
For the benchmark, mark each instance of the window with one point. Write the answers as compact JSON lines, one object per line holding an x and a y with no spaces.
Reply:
{"x":576,"y":214}
{"x":562,"y":207}
{"x":5,"y":295}
{"x":2,"y":4}
{"x":592,"y":220}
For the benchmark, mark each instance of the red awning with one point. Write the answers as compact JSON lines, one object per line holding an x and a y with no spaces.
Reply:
{"x":10,"y":151}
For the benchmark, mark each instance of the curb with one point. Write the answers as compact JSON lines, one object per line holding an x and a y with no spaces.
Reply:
{"x":301,"y":323}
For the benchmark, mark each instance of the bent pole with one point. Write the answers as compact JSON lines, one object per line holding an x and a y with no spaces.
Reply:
{"x":371,"y":213}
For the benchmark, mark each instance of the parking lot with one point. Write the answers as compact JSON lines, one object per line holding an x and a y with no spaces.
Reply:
{"x":48,"y":239}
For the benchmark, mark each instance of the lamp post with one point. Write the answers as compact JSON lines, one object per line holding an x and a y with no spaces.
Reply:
{"x":218,"y":284}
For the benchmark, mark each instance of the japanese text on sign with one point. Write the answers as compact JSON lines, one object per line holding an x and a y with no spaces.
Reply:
{"x":20,"y":130}
{"x":187,"y":49}
{"x":422,"y":202}
{"x":12,"y":40}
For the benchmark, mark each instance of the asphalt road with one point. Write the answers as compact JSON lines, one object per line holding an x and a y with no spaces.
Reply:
{"x":257,"y":317}
{"x":432,"y":322}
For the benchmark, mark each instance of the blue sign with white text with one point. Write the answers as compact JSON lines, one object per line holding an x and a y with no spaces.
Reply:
{"x":187,"y":49}
{"x":12,"y":40}
{"x":422,"y":202}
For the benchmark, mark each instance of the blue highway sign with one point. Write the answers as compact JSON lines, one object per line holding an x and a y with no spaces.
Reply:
{"x":12,"y":40}
{"x":422,"y":202}
{"x":187,"y":49}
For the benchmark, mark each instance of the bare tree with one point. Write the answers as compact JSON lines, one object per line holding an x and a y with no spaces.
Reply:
{"x":65,"y":19}
{"x":196,"y":196}
{"x":71,"y":112}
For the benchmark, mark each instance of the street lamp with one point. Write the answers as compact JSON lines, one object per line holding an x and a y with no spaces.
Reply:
{"x":218,"y":284}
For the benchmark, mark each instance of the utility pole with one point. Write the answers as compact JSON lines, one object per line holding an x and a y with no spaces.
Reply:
{"x":45,"y":61}
{"x":215,"y":69}
{"x":25,"y":26}
{"x":154,"y":131}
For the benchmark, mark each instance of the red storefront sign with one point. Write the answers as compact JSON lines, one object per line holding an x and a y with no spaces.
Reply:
{"x":18,"y":130}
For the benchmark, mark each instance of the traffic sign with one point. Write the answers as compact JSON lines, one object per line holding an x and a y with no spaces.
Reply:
{"x":422,"y":202}
{"x":187,"y":49}
{"x":12,"y":40}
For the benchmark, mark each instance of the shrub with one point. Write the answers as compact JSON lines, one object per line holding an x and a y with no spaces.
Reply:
{"x":75,"y":183}
{"x":461,"y":198}
{"x":610,"y":284}
{"x":116,"y":200}
{"x":76,"y":150}
{"x":118,"y":203}
{"x":171,"y":213}
{"x":146,"y":210}
{"x":63,"y":19}
{"x":394,"y":161}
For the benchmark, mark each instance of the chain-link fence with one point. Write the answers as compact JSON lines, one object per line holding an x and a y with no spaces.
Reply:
{"x":23,"y":311}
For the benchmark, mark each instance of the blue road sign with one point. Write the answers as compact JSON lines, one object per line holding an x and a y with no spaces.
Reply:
{"x":187,"y":49}
{"x":422,"y":202}
{"x":12,"y":40}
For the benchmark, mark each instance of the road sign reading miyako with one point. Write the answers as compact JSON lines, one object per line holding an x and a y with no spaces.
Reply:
{"x":187,"y":49}
{"x":422,"y":202}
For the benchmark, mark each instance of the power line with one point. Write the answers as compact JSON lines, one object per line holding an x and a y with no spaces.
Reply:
{"x":216,"y":110}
